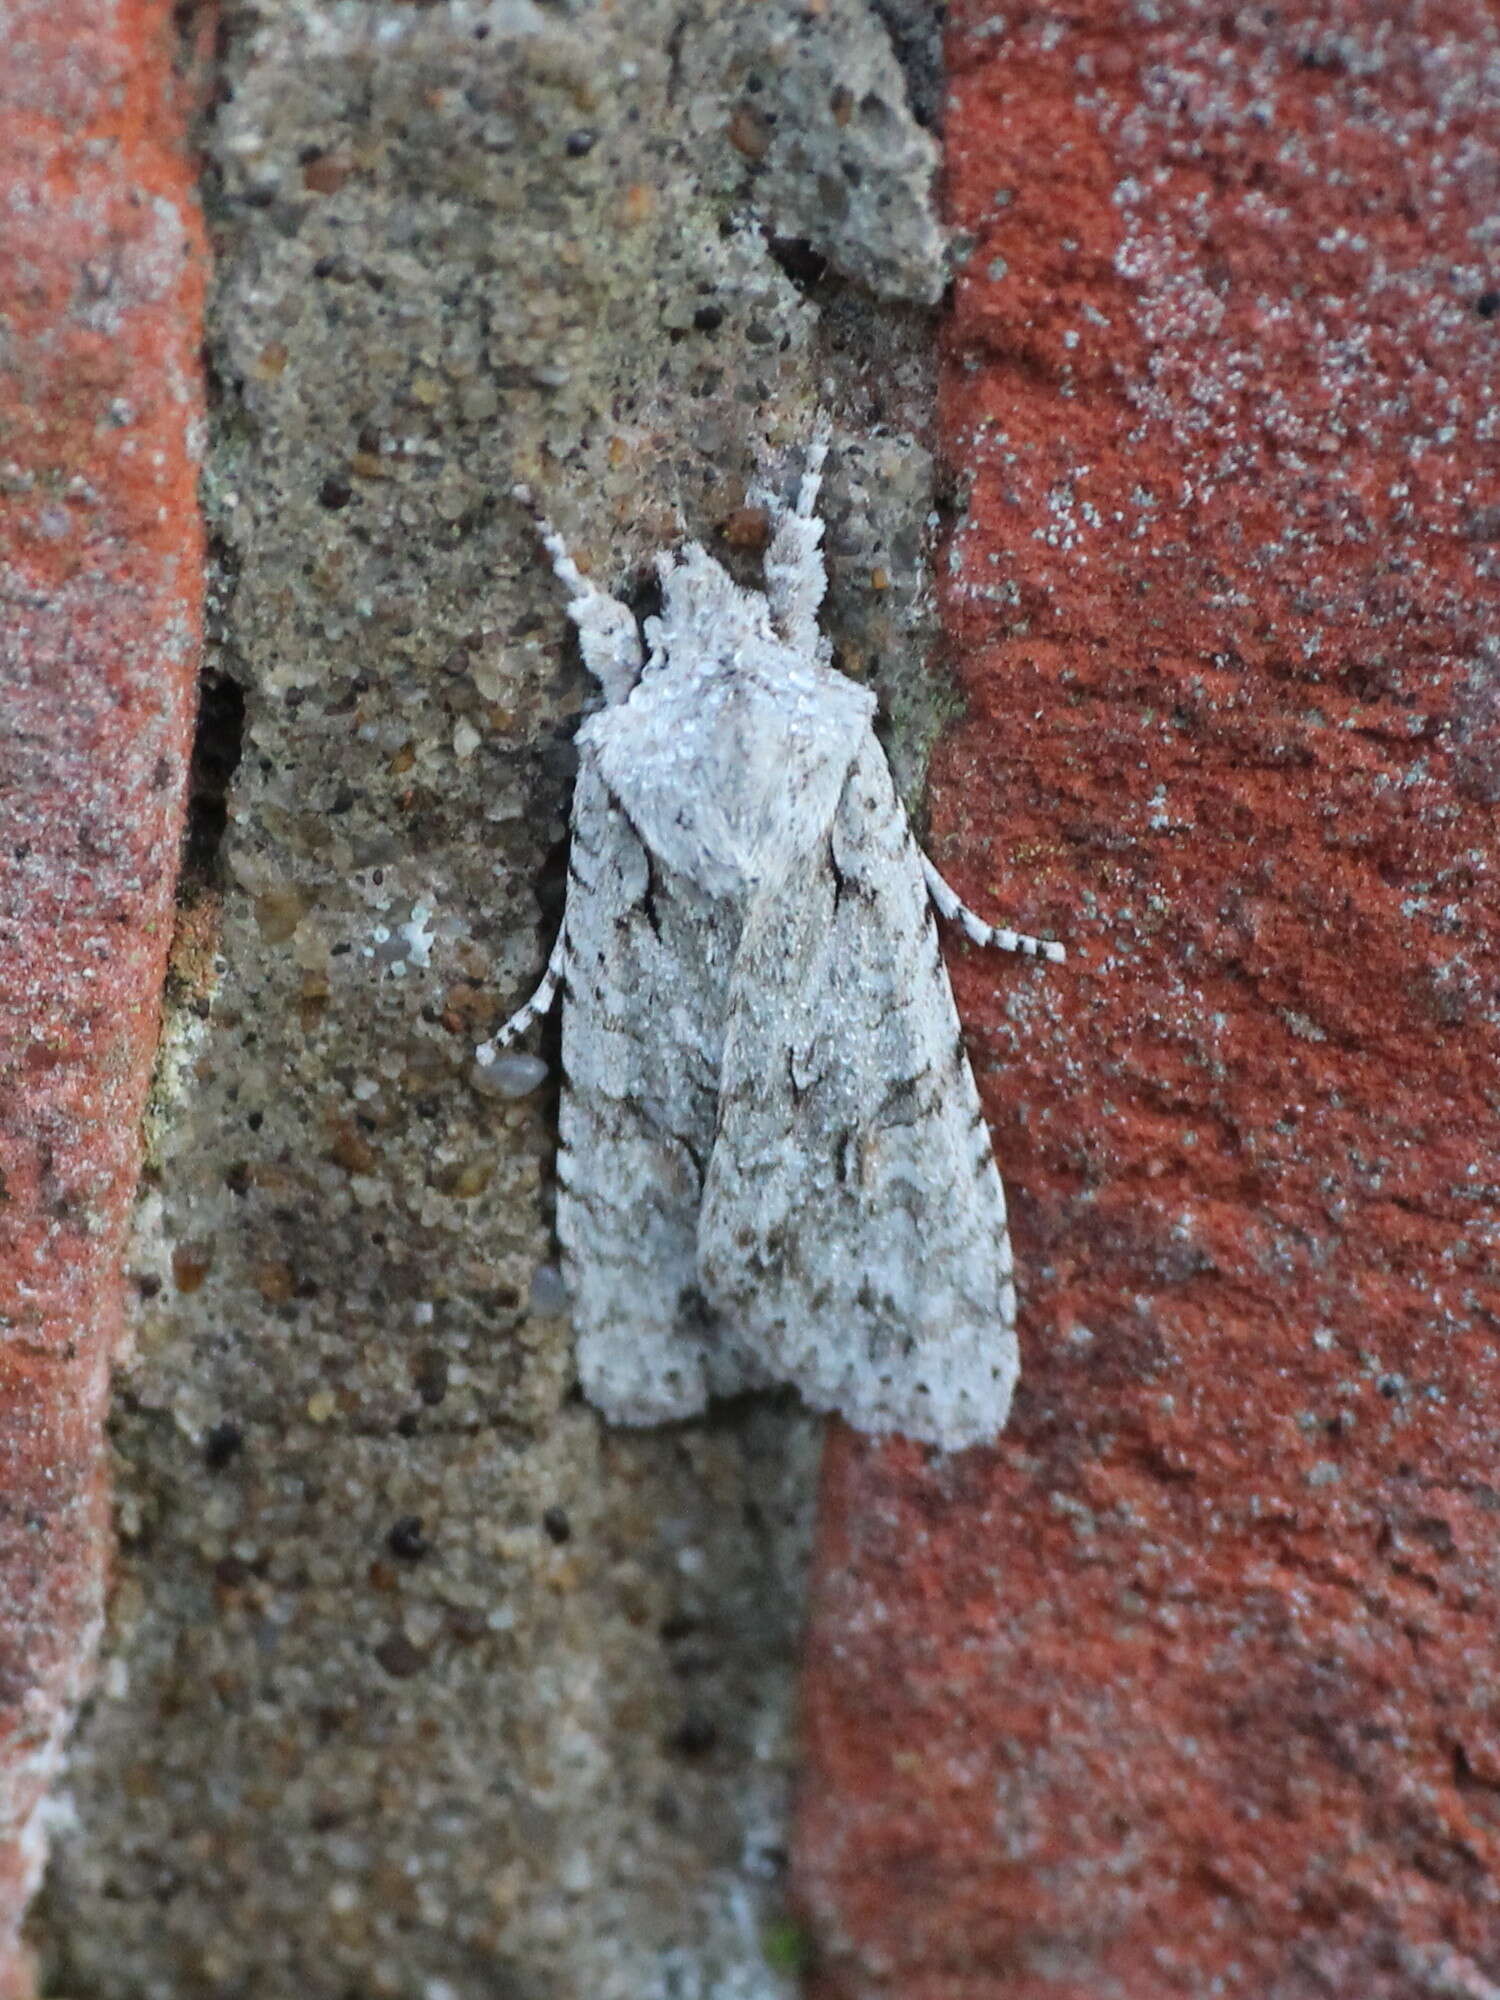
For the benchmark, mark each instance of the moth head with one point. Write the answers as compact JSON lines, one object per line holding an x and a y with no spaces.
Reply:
{"x":703,"y":606}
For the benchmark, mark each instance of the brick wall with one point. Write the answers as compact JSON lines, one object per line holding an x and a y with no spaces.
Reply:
{"x":100,"y":577}
{"x":1188,"y":1687}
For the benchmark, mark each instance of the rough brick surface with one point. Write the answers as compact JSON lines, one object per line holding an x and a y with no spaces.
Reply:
{"x":99,"y":598}
{"x":1189,"y":1687}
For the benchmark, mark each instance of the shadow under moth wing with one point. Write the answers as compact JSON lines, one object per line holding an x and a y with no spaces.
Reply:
{"x":774,"y":1167}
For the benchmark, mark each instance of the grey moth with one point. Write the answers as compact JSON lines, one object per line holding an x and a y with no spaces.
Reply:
{"x":773,"y":1166}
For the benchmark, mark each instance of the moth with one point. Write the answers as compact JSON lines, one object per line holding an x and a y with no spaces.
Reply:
{"x":773,"y":1166}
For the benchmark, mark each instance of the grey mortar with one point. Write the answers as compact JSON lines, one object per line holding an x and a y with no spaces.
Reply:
{"x":539,"y":1747}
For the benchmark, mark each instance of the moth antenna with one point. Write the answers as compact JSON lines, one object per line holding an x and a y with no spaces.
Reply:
{"x":796,"y":577}
{"x":812,"y":466}
{"x":608,"y":636}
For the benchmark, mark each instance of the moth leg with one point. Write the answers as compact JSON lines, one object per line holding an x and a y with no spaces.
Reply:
{"x":948,"y":905}
{"x":607,"y":632}
{"x":539,"y":1003}
{"x":794,"y":571}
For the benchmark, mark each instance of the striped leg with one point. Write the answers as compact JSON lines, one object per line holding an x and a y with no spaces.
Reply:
{"x":536,"y":1006}
{"x":948,"y":905}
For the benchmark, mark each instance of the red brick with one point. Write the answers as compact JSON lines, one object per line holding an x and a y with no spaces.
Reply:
{"x":1189,"y":1687}
{"x":100,"y":577}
